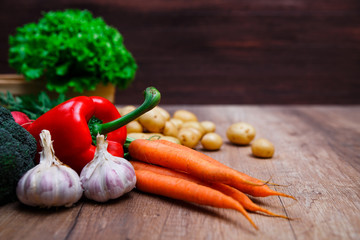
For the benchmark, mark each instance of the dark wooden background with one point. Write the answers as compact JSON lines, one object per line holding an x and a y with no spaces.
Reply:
{"x":221,"y":52}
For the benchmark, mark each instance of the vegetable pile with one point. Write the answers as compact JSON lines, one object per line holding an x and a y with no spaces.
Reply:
{"x":71,"y":49}
{"x":89,"y":135}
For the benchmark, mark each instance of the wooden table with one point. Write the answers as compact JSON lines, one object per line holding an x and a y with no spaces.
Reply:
{"x":317,"y":158}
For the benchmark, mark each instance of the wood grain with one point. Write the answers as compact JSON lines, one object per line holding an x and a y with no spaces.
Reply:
{"x":316,"y":157}
{"x":225,"y":52}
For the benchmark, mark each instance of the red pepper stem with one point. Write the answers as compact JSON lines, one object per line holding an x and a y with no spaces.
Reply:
{"x":152,"y":98}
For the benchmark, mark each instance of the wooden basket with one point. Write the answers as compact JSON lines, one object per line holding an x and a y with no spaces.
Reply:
{"x":17,"y":85}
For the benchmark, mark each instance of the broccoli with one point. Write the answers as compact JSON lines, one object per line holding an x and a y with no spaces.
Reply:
{"x":17,"y":152}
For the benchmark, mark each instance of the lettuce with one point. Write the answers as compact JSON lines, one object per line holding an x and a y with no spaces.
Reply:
{"x":71,"y":49}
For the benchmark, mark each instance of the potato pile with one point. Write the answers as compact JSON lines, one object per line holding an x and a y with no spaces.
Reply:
{"x":182,"y":128}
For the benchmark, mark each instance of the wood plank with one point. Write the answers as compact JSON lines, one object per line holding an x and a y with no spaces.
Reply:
{"x":316,"y":158}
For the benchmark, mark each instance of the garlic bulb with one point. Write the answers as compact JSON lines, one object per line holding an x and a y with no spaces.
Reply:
{"x":50,"y":183}
{"x":106,"y":176}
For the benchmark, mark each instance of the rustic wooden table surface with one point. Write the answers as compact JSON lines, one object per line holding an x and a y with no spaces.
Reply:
{"x":317,"y":157}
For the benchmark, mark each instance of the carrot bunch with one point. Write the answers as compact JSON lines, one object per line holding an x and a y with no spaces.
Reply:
{"x":175,"y":171}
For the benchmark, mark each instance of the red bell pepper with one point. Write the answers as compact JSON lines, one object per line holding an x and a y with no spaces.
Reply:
{"x":72,"y":138}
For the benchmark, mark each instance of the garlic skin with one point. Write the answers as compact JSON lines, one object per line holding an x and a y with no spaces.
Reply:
{"x":106,"y":176}
{"x":50,"y":183}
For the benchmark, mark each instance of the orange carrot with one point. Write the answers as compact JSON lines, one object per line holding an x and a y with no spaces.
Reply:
{"x":244,"y":200}
{"x":181,"y":158}
{"x":181,"y":189}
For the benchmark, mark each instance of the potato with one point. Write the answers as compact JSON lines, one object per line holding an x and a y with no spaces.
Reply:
{"x":138,"y":135}
{"x":164,"y":113}
{"x":153,"y":121}
{"x":241,"y":133}
{"x":170,"y":129}
{"x":154,"y":136}
{"x":185,"y":115}
{"x":189,"y":137}
{"x":208,"y":126}
{"x":134,"y":126}
{"x":171,"y":139}
{"x":262,"y":148}
{"x":177,"y":122}
{"x":145,"y":135}
{"x":125,"y":110}
{"x":194,"y":124}
{"x":211,"y":141}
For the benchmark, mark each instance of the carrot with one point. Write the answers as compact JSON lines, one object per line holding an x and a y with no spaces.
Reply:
{"x":244,"y":200}
{"x":259,"y":189}
{"x":181,"y":189}
{"x":182,"y":159}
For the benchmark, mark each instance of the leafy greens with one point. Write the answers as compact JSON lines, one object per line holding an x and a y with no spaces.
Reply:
{"x":32,"y":105}
{"x":71,"y":49}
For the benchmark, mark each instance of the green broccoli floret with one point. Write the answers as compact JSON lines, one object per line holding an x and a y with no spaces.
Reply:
{"x":17,"y":152}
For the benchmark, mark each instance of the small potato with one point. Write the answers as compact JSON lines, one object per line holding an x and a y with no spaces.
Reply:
{"x":138,"y":135}
{"x":154,"y":136}
{"x":125,"y":110}
{"x":164,"y":113}
{"x":211,"y":141}
{"x":177,"y":122}
{"x":194,"y":124}
{"x":185,"y":115}
{"x":171,"y":139}
{"x":262,"y":148}
{"x":153,"y":121}
{"x":134,"y":126}
{"x":208,"y":126}
{"x":150,"y":136}
{"x":189,"y":137}
{"x":241,"y":133}
{"x":170,"y":129}
{"x":195,"y":131}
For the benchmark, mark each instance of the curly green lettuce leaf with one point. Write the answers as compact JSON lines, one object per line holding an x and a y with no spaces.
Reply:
{"x":72,"y":49}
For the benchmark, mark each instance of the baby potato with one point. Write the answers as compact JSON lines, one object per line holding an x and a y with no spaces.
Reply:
{"x":126,"y":109}
{"x":208,"y":126}
{"x":138,"y":135}
{"x":195,"y":131}
{"x":189,"y":137}
{"x":194,"y":124}
{"x":150,"y":136}
{"x":211,"y":141}
{"x":241,"y":133}
{"x":170,"y":129}
{"x":153,"y":121}
{"x":177,"y":122}
{"x":262,"y":148}
{"x":134,"y":126}
{"x":185,"y":115}
{"x":171,"y":139}
{"x":164,"y":113}
{"x":154,"y":136}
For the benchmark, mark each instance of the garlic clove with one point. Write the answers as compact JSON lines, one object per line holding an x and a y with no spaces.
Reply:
{"x":50,"y":183}
{"x":106,"y":176}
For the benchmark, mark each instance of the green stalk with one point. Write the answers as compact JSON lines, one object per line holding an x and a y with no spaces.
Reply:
{"x":152,"y":98}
